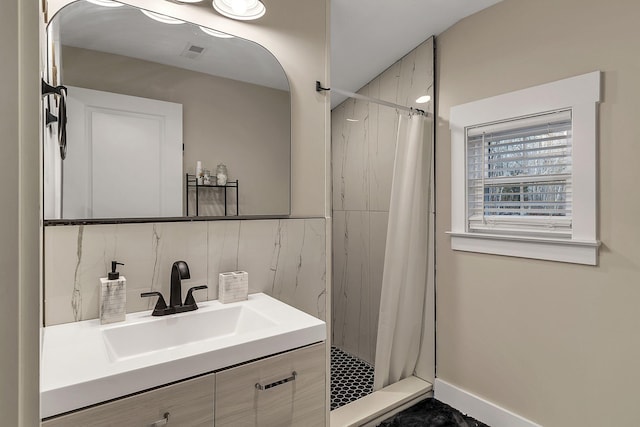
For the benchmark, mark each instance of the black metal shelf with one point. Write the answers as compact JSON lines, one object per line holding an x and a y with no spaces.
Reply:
{"x":192,"y":182}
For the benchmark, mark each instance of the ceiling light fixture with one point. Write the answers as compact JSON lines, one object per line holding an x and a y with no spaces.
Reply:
{"x":423,"y":99}
{"x":106,"y":3}
{"x":243,"y":10}
{"x":215,"y":33}
{"x":161,"y":18}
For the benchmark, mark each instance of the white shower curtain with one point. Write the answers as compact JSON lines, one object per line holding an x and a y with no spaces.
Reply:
{"x":406,"y":271}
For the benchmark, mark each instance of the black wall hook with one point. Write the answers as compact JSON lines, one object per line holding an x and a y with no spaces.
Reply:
{"x":49,"y":118}
{"x":47,"y":89}
{"x":319,"y":87}
{"x":61,"y":91}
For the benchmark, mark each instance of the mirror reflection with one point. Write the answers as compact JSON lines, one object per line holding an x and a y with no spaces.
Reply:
{"x":164,"y":119}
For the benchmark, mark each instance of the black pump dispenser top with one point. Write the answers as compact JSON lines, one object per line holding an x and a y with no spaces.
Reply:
{"x":113,"y":274}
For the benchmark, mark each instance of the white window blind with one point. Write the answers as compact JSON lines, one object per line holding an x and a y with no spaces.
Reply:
{"x":519,"y":176}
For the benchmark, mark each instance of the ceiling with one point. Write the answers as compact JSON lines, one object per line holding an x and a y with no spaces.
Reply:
{"x":126,"y":31}
{"x":368,"y":36}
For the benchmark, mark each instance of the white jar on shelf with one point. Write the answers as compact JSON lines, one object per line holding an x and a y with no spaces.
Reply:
{"x":221,"y":174}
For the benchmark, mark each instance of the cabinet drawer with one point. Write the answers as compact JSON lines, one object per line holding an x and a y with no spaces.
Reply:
{"x":189,"y":404}
{"x":283,"y":400}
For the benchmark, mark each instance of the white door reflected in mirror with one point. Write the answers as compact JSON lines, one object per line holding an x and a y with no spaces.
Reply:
{"x":129,"y":163}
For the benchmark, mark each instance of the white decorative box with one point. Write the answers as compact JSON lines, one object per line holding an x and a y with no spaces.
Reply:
{"x":233,"y":286}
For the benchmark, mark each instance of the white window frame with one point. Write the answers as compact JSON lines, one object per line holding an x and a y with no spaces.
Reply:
{"x":581,"y":94}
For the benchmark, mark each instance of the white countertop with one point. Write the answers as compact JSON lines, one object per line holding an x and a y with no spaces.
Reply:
{"x":78,"y":369}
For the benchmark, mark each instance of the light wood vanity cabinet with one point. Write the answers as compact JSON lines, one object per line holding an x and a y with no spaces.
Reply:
{"x":231,"y":394}
{"x":283,"y":401}
{"x":188,"y":403}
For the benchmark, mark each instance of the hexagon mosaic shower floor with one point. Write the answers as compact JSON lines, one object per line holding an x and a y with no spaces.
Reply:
{"x":351,"y":378}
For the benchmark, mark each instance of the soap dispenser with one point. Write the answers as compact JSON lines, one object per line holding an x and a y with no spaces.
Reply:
{"x":113,"y":296}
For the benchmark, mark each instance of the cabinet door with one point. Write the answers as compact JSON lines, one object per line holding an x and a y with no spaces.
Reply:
{"x":283,"y":401}
{"x":188,"y":404}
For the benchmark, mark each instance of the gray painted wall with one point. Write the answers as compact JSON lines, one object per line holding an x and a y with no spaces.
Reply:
{"x":554,"y":342}
{"x":19,"y":214}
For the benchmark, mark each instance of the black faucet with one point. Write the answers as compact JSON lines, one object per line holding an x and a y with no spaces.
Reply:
{"x":179,"y":271}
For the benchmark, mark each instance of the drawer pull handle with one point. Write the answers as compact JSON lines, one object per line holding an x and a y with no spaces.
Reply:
{"x":276,"y":383}
{"x":163,"y":422}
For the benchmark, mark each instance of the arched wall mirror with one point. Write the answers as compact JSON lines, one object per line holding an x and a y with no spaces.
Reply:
{"x":153,"y":108}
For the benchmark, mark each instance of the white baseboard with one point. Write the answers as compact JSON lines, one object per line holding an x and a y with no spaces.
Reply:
{"x":477,"y":407}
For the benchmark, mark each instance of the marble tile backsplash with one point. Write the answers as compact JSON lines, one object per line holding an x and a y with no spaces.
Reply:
{"x":363,"y":153}
{"x":284,"y":258}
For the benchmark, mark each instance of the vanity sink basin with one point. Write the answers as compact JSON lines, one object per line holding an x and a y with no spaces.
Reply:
{"x":135,"y":339}
{"x":86,"y":363}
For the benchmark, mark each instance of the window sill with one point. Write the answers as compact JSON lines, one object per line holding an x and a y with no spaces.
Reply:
{"x":572,"y":251}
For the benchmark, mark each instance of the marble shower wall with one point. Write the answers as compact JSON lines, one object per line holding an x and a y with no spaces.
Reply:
{"x":285,"y":259}
{"x":363,"y":139}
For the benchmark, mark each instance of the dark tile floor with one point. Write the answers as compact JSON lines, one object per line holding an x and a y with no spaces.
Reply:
{"x":431,"y":413}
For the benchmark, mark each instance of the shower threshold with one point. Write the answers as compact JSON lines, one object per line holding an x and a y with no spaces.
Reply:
{"x":374,"y":408}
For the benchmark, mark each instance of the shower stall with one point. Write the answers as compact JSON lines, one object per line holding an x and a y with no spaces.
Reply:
{"x":364,"y":139}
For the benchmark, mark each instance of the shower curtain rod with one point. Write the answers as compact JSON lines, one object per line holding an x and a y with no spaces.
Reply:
{"x":354,"y":95}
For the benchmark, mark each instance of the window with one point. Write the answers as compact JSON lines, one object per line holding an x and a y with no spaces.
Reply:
{"x":519,"y":176}
{"x":523,"y":172}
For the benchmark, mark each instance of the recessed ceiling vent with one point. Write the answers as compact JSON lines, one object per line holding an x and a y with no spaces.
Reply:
{"x":192,"y":51}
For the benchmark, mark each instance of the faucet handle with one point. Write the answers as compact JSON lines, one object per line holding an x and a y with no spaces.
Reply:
{"x":161,"y":305}
{"x":189,"y":300}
